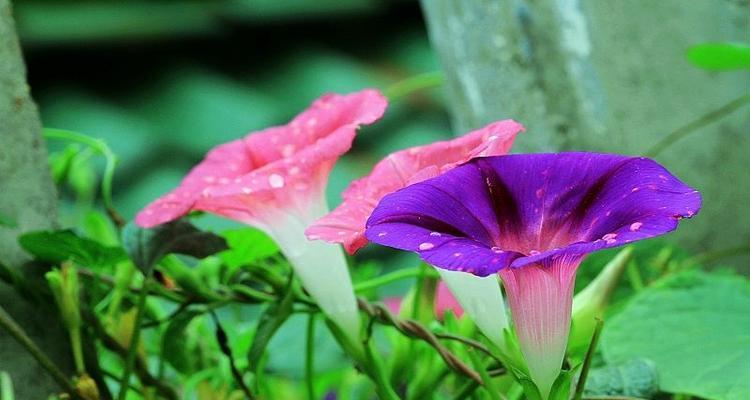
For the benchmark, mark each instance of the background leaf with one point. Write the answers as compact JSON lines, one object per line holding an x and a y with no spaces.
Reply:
{"x":634,"y":378}
{"x":147,"y":246}
{"x":59,"y":246}
{"x":694,"y":326}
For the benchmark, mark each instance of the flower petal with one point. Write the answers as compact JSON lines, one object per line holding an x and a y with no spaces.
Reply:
{"x":279,"y":167}
{"x":517,"y":210}
{"x":346,"y":224}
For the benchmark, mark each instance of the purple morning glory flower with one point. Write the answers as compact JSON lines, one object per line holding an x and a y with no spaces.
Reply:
{"x":533,"y":218}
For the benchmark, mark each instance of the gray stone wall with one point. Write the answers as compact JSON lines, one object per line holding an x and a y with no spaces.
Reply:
{"x":607,"y":76}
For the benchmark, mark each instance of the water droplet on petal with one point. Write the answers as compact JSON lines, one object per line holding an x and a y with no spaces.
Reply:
{"x":435,"y":234}
{"x":635,"y":226}
{"x":426,"y":246}
{"x":287,"y":150}
{"x":533,"y":252}
{"x":381,"y":234}
{"x":276,"y":181}
{"x":497,"y":249}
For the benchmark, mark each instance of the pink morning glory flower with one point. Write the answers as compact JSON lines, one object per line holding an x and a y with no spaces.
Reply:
{"x":275,"y":180}
{"x":532,"y":219}
{"x":444,"y":301}
{"x":346,"y":224}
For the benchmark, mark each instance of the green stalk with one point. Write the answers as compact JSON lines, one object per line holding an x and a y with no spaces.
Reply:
{"x":580,"y":386}
{"x":413,"y":84}
{"x":309,"y":357}
{"x":692,"y":126}
{"x":392,"y":277}
{"x":109,"y":167}
{"x":135,"y":337}
{"x":9,"y":325}
{"x":6,"y":387}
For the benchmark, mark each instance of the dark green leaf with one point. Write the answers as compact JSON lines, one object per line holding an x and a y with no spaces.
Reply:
{"x":720,"y":56}
{"x":59,"y":246}
{"x":175,"y":348}
{"x":269,"y":323}
{"x":634,"y":378}
{"x":147,"y":246}
{"x":694,"y":327}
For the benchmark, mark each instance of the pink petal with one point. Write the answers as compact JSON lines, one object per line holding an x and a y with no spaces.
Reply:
{"x":346,"y":224}
{"x":540,"y":298}
{"x":445,"y":301}
{"x":279,"y":168}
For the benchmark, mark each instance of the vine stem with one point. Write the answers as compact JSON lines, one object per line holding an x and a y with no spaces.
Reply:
{"x":135,"y":336}
{"x":413,"y":84}
{"x":9,"y":324}
{"x":309,"y":357}
{"x":696,"y":124}
{"x":109,"y":167}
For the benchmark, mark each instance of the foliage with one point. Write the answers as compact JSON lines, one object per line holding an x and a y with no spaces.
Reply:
{"x":693,"y":325}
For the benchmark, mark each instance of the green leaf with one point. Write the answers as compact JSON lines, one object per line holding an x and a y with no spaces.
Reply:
{"x":561,"y":387}
{"x":147,"y":246}
{"x":694,"y":326}
{"x":720,"y":56}
{"x":246,"y":246}
{"x":174,"y":345}
{"x":633,"y":378}
{"x":269,"y":323}
{"x":59,"y":246}
{"x":529,"y":388}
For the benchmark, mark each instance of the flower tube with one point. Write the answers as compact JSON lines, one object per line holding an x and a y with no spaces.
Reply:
{"x":275,"y":180}
{"x":532,"y":219}
{"x":481,"y":298}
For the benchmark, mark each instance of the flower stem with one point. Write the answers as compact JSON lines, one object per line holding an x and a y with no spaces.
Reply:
{"x":75,"y":344}
{"x":9,"y":325}
{"x":309,"y":357}
{"x":135,"y":336}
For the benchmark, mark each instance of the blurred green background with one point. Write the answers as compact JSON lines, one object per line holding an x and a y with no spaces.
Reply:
{"x":163,"y":82}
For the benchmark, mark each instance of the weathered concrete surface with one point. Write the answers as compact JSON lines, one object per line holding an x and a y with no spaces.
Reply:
{"x":27,"y":196}
{"x":607,"y":76}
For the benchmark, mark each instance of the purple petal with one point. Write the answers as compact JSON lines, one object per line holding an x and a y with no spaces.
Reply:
{"x":522,"y":209}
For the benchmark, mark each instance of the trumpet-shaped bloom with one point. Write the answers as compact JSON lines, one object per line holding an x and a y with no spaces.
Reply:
{"x":275,"y":179}
{"x":346,"y":224}
{"x":532,"y":219}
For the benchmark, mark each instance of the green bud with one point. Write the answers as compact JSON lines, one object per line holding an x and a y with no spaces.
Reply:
{"x":590,"y":303}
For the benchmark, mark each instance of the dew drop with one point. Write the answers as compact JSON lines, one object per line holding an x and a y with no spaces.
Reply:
{"x":276,"y":181}
{"x":426,"y":246}
{"x":381,"y":234}
{"x":635,"y":226}
{"x":497,"y":249}
{"x":435,"y":234}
